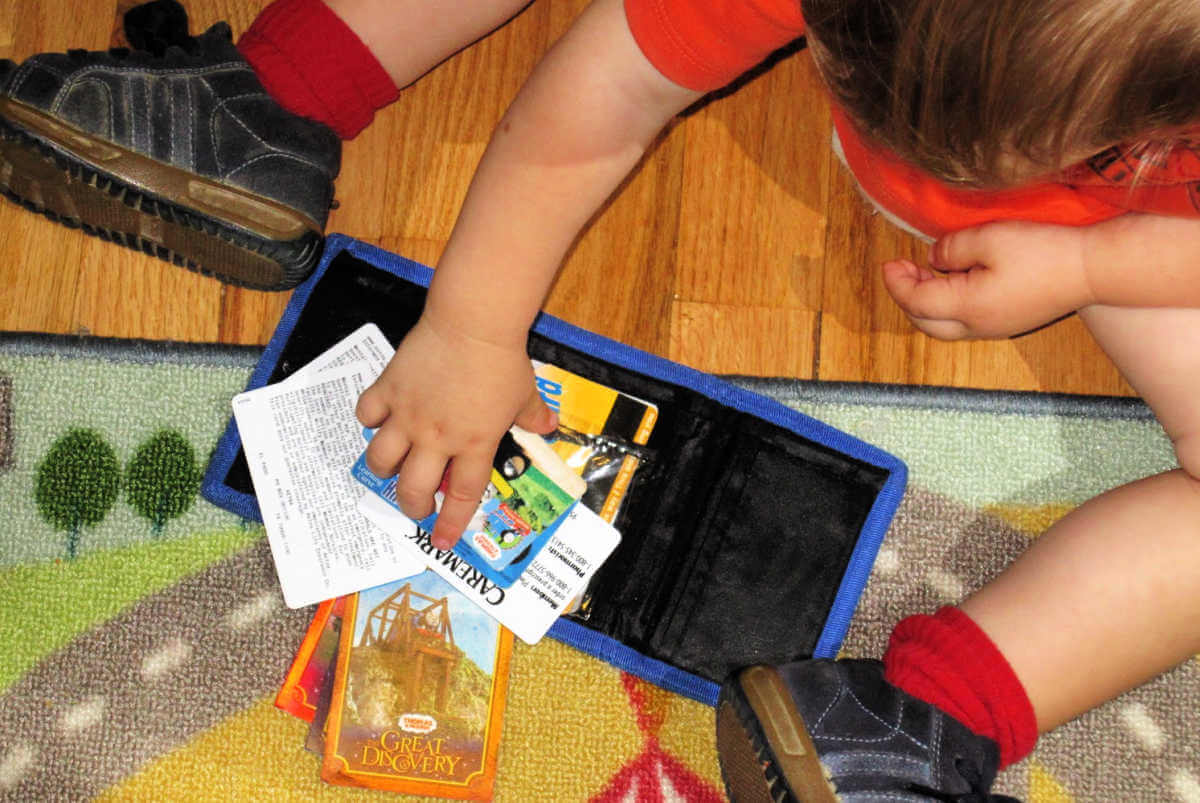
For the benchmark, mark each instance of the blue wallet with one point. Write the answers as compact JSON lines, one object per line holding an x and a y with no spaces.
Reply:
{"x":748,"y":539}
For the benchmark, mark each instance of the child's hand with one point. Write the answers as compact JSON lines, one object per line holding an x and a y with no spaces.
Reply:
{"x":444,"y":402}
{"x":993,"y":281}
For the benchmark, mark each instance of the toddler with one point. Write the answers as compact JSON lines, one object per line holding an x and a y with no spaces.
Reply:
{"x":1044,"y":148}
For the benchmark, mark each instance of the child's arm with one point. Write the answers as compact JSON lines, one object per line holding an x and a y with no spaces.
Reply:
{"x":1140,"y":260}
{"x":1003,"y":279}
{"x":462,"y":376}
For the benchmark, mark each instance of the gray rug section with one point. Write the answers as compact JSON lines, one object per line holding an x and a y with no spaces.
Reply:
{"x":6,"y":423}
{"x":143,"y":683}
{"x":936,"y":552}
{"x":145,"y":352}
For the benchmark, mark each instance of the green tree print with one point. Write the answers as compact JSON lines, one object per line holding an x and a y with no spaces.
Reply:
{"x":77,"y":483}
{"x":163,"y":478}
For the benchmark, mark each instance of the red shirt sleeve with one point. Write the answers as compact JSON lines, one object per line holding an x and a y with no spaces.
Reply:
{"x":705,"y":44}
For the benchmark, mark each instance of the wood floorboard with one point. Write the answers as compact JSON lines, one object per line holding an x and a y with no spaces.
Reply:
{"x":739,"y":246}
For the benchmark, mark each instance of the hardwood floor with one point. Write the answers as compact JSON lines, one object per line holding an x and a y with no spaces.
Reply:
{"x":739,"y":246}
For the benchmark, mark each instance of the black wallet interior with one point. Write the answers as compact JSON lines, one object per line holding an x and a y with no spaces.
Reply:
{"x":734,"y":537}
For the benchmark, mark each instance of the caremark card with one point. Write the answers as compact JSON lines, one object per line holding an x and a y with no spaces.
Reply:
{"x":543,"y":591}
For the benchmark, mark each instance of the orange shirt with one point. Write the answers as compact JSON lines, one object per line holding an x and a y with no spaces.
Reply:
{"x":705,"y":44}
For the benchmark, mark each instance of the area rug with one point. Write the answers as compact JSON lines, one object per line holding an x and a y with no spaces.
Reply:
{"x":145,"y":637}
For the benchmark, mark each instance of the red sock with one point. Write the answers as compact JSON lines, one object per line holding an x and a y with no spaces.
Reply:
{"x":947,"y":661}
{"x":315,"y":66}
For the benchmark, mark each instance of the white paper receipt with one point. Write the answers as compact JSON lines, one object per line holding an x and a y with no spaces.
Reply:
{"x":301,"y":437}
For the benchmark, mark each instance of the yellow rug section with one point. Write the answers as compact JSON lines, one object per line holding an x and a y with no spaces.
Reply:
{"x":1032,"y":520}
{"x":570,"y":754}
{"x":1043,"y":788}
{"x":689,"y":733}
{"x":258,"y":754}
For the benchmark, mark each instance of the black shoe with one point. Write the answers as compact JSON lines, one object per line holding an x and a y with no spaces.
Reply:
{"x":173,"y":148}
{"x":822,"y":731}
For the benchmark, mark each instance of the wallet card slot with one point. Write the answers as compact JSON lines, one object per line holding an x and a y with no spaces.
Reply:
{"x":632,"y":588}
{"x":767,"y":574}
{"x":635,"y":589}
{"x":717,"y":515}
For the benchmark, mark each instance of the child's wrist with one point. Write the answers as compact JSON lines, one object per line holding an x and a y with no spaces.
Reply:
{"x":453,"y":323}
{"x":1109,"y":248}
{"x":1094,"y":245}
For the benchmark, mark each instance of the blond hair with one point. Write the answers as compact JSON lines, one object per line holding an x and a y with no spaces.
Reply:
{"x":989,"y":92}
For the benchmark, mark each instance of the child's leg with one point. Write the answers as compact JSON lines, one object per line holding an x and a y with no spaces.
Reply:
{"x":1109,"y":596}
{"x":410,"y":37}
{"x":339,"y":61}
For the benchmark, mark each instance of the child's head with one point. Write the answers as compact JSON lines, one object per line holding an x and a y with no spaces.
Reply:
{"x":992,"y":92}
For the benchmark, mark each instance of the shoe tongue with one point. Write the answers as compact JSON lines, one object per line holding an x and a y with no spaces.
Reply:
{"x":154,"y":27}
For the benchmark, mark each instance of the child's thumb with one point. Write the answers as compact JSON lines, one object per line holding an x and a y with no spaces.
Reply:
{"x":535,"y":416}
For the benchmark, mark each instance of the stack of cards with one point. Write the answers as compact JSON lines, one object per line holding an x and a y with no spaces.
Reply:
{"x":330,"y":536}
{"x":404,"y":667}
{"x":404,"y":689}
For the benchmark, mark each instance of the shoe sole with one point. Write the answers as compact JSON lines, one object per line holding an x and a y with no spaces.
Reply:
{"x":80,"y":181}
{"x":767,"y":755}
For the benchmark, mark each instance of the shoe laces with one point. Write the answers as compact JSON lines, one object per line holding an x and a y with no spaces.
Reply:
{"x":979,"y":792}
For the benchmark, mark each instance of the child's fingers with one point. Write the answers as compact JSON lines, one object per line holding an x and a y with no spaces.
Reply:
{"x":387,"y":448}
{"x":372,"y":407}
{"x":418,"y":478}
{"x":964,"y":249}
{"x":919,"y":292}
{"x":929,"y":300}
{"x":468,"y":478}
{"x":535,"y":416}
{"x":903,"y":270}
